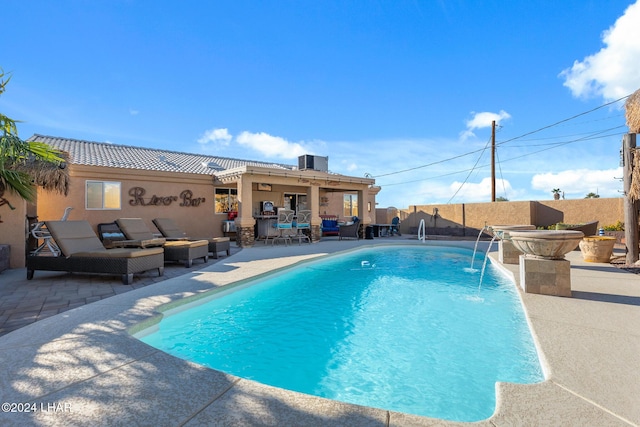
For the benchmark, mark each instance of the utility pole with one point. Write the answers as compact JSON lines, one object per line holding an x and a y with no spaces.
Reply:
{"x":630,"y":205}
{"x":493,"y":161}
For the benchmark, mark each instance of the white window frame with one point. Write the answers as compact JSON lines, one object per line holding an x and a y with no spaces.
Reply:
{"x":350,"y":202}
{"x":230,"y":202}
{"x":104,"y":198}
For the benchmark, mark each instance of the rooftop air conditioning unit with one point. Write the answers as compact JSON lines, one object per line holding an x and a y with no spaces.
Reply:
{"x":316,"y":163}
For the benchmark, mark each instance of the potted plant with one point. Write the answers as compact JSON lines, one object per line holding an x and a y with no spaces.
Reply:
{"x":597,"y":248}
{"x":556,"y":193}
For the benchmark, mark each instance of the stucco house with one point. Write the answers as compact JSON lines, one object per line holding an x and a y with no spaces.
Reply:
{"x":205,"y":195}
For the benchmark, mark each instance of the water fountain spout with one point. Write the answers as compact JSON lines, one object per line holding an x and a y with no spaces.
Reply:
{"x":484,"y":264}
{"x":475,"y":248}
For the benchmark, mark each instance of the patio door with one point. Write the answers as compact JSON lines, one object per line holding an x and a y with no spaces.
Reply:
{"x":295,"y":201}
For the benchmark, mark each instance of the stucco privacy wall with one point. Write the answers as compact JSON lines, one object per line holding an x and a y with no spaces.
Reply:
{"x":13,"y":226}
{"x":608,"y":211}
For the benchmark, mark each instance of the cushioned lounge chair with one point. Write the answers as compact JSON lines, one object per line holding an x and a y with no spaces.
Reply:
{"x":351,"y":231}
{"x":112,"y":237}
{"x":171,"y":231}
{"x":179,"y":250}
{"x":82,"y":252}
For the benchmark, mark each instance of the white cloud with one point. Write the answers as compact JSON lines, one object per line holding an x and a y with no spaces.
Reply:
{"x":580,"y":182}
{"x":614,"y":71}
{"x":133,"y":112}
{"x":220,"y":136}
{"x":272,"y":146}
{"x":477,"y":192}
{"x":483,"y":120}
{"x":439,"y":192}
{"x":352,"y":167}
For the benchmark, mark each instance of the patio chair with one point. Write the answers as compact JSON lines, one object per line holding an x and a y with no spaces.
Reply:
{"x":350,"y":231}
{"x":178,"y":250}
{"x":82,"y":252}
{"x":284,"y":227}
{"x":395,"y":227}
{"x":302,"y":223}
{"x":171,"y":231}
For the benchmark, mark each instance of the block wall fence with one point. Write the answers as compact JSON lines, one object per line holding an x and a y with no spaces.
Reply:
{"x":467,"y":219}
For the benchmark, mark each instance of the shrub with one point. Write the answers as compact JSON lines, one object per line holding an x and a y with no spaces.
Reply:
{"x":619,"y":226}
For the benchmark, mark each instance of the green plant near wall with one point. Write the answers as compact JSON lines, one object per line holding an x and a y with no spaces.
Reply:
{"x":619,"y":226}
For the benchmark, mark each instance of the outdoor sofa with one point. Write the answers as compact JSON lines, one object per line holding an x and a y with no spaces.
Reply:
{"x":82,"y":252}
{"x":329,"y":225}
{"x":171,"y":231}
{"x":178,"y":250}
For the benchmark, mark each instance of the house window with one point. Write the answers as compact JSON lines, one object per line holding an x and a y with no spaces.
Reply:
{"x":103,"y":195}
{"x":350,"y":205}
{"x":226,"y":200}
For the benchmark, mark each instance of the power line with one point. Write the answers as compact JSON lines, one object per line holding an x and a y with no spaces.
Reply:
{"x":565,"y":120}
{"x":503,"y":142}
{"x":591,"y":136}
{"x":469,"y":174}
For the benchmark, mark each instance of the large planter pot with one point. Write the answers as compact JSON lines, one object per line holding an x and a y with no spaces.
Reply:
{"x":507,"y":252}
{"x":546,"y":244}
{"x":597,"y":248}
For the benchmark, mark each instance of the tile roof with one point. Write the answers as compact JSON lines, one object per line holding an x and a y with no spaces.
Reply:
{"x":122,"y":156}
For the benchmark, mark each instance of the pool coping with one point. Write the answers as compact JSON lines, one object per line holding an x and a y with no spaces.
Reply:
{"x":83,"y":366}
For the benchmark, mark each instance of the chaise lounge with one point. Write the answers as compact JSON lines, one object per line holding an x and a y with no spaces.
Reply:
{"x":171,"y":231}
{"x":82,"y":252}
{"x":178,"y":250}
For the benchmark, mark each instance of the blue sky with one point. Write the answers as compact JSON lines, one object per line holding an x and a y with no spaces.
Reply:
{"x":404,"y":91}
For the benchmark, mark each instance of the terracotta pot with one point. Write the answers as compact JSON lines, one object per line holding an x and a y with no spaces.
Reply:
{"x":597,"y":248}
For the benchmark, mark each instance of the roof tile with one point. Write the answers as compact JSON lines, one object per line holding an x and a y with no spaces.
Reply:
{"x":91,"y":153}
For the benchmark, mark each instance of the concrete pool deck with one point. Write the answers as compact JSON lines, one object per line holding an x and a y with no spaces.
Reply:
{"x":82,"y":367}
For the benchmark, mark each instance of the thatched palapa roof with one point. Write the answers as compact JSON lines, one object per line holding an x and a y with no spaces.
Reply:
{"x":632,"y":107}
{"x":48,"y":175}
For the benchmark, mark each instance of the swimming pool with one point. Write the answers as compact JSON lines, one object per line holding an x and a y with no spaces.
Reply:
{"x":402,"y":328}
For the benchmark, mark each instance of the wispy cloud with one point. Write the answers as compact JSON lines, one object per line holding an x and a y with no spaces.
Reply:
{"x":483,"y":120}
{"x":133,"y":112}
{"x":219,"y":136}
{"x":272,"y":146}
{"x":614,"y":71}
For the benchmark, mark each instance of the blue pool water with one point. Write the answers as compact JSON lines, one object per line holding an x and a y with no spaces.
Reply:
{"x":403,"y":328}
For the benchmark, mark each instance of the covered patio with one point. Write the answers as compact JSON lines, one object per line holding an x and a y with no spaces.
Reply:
{"x":316,"y":185}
